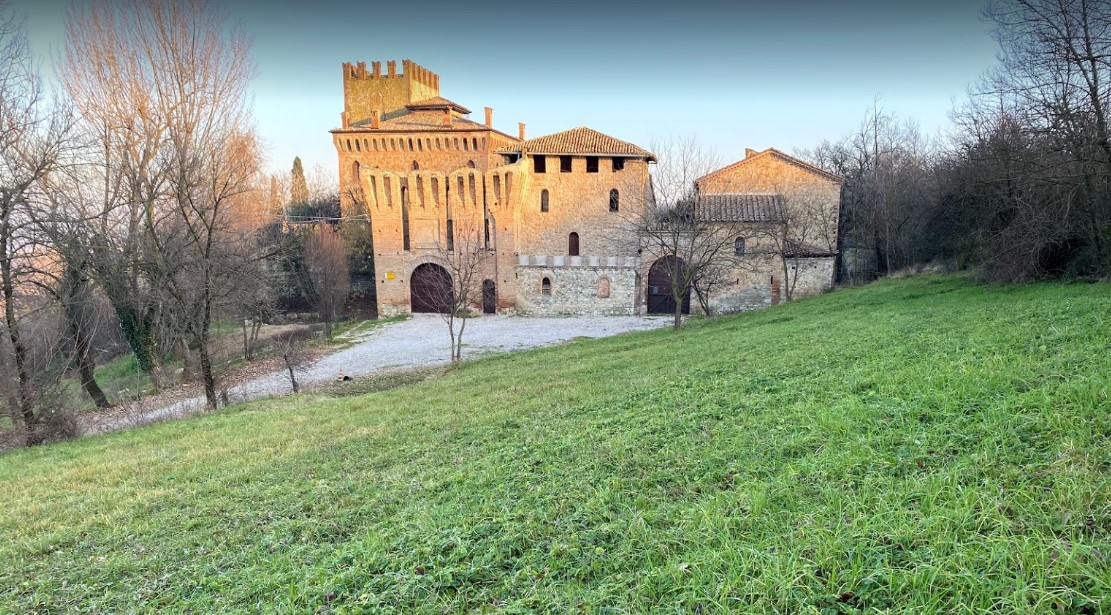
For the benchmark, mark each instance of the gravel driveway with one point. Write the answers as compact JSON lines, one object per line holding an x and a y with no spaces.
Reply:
{"x":419,"y":341}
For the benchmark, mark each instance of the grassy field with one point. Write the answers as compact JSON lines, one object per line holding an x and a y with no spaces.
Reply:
{"x":916,"y":446}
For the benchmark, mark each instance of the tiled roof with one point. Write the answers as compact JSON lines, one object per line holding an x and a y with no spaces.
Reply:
{"x":771,"y":151}
{"x":422,"y":120}
{"x":801,"y":248}
{"x":740,"y":207}
{"x":437,"y":102}
{"x":581,"y":140}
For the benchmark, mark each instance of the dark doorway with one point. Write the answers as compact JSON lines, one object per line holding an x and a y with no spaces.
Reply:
{"x":430,"y":289}
{"x":660,"y":300}
{"x":489,"y":297}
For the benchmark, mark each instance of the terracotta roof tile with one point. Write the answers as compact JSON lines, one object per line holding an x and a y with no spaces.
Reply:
{"x":422,"y":120}
{"x":437,"y":102}
{"x":740,"y":207}
{"x":581,"y":140}
{"x":802,"y":249}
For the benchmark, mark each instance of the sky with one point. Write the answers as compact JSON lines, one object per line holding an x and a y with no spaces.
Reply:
{"x":732,"y":75}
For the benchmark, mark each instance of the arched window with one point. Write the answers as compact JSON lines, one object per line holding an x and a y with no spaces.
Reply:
{"x":416,"y":165}
{"x":470,"y":164}
{"x":358,"y":146}
{"x":614,"y":197}
{"x":546,"y":287}
{"x":573,"y":244}
{"x":543,"y":200}
{"x":739,"y":246}
{"x":355,"y":169}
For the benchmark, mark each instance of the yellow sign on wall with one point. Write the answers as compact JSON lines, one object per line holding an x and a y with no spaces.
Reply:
{"x":390,"y":275}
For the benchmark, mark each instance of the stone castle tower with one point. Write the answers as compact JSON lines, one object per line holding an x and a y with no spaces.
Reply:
{"x":366,"y":92}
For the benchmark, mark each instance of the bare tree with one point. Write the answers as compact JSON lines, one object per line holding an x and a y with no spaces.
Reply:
{"x":453,"y":282}
{"x":164,"y":88}
{"x":691,"y":248}
{"x":33,"y":138}
{"x":295,"y":356}
{"x":327,"y":273}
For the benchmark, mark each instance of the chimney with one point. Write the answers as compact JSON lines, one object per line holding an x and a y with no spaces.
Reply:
{"x":521,"y":130}
{"x":343,"y":119}
{"x":750,"y":152}
{"x":376,"y":119}
{"x":377,"y":68}
{"x":489,"y":117}
{"x":391,"y":68}
{"x":447,"y":118}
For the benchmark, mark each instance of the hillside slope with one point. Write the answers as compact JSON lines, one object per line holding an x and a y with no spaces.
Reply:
{"x":921,"y":445}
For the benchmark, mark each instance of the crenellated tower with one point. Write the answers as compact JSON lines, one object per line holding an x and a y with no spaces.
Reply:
{"x":366,"y":91}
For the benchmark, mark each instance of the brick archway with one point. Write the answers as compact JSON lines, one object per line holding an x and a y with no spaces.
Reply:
{"x":430,"y":289}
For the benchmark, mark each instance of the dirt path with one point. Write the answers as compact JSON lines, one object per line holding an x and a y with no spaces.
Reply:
{"x":419,"y":341}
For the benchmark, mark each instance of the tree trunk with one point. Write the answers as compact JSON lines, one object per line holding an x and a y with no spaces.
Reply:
{"x":678,"y":313}
{"x":292,"y":377}
{"x":86,"y":367}
{"x":26,"y":409}
{"x":206,"y":360}
{"x":136,"y":330}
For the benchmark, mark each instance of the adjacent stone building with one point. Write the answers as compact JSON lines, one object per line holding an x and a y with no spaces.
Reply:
{"x":551,"y":214}
{"x":784,"y":212}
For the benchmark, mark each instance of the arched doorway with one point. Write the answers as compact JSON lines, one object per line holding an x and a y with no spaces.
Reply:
{"x":430,"y":289}
{"x":489,"y":297}
{"x":660,"y":299}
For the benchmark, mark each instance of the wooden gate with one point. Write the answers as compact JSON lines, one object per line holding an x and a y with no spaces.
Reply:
{"x":489,"y":297}
{"x":430,"y":289}
{"x":660,"y":299}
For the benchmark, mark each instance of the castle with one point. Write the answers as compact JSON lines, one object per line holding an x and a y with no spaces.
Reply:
{"x":550,"y":214}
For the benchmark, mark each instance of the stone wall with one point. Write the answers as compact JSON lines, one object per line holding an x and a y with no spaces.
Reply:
{"x":577,"y":286}
{"x":813,"y":276}
{"x":807,"y":193}
{"x":578,"y":202}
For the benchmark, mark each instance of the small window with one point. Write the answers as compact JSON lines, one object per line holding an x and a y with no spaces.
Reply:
{"x":539,"y":164}
{"x":591,"y":164}
{"x":470,"y":164}
{"x":739,"y":246}
{"x":450,"y":235}
{"x":573,"y":244}
{"x":614,"y":197}
{"x":416,"y":165}
{"x":544,"y":200}
{"x":618,"y":164}
{"x":546,"y":287}
{"x":564,"y":164}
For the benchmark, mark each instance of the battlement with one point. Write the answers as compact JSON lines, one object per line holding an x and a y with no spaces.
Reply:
{"x":409,"y":70}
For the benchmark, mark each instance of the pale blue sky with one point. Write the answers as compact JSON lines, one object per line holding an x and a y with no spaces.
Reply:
{"x":733,"y":75}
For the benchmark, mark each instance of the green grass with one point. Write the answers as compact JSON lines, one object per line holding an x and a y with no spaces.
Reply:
{"x":916,"y":446}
